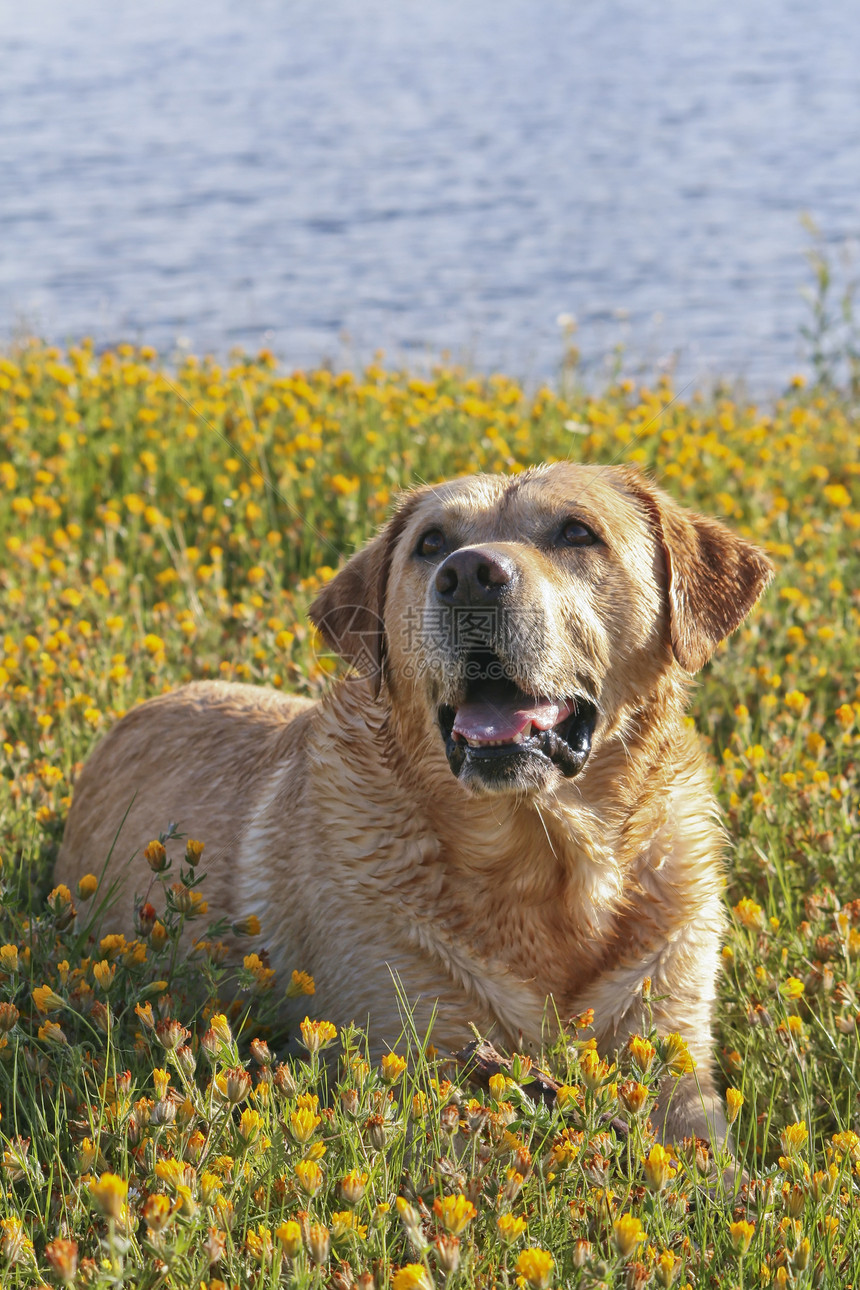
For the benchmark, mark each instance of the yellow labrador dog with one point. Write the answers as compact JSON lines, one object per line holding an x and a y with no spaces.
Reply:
{"x":502,"y":803}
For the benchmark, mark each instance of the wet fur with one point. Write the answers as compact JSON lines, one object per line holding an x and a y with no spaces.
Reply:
{"x":341,"y":826}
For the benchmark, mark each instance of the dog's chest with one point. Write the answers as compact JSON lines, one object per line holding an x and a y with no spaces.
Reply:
{"x":505,"y":941}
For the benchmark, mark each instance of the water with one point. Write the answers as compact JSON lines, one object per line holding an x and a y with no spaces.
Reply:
{"x":330,"y":178}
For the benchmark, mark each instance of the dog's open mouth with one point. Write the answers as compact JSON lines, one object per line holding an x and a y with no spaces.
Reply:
{"x":497,"y":721}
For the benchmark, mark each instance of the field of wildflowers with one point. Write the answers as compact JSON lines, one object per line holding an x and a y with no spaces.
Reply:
{"x":160,"y":524}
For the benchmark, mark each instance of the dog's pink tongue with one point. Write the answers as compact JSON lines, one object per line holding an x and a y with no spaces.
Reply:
{"x":499,"y":714}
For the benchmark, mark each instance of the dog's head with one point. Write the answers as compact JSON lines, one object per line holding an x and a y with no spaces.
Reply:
{"x":531,"y":617}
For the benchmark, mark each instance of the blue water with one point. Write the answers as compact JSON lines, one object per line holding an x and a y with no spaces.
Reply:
{"x":334,"y":177}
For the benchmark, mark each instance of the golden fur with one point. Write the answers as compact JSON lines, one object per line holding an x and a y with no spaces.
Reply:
{"x":500,"y":891}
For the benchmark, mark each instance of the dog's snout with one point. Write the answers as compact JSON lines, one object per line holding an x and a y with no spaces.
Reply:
{"x":474,"y":577}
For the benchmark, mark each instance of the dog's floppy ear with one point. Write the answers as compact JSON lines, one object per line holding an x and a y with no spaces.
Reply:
{"x":349,"y":612}
{"x":713,"y":577}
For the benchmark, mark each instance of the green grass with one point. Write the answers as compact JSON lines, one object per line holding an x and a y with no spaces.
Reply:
{"x":161,"y":525}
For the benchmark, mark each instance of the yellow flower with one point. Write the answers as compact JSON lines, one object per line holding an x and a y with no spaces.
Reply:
{"x":796,"y":701}
{"x":172,"y":1171}
{"x":210,"y":1186}
{"x":352,"y":1186}
{"x":221,"y":1026}
{"x":193,"y":852}
{"x":498,"y":1086}
{"x":303,"y":1122}
{"x":310,"y":1176}
{"x":317,"y":1034}
{"x":510,"y":1228}
{"x":734,"y":1102}
{"x":345,"y":1224}
{"x":567,"y":1094}
{"x":249,"y":926}
{"x":59,"y":898}
{"x":15,"y":1245}
{"x":155,"y":856}
{"x":318,"y":1242}
{"x":113,"y":945}
{"x":642,"y":1051}
{"x":794,"y":1138}
{"x":666,"y":1268}
{"x":250,"y":1124}
{"x":793,"y":988}
{"x":676,"y":1055}
{"x":633,"y":1095}
{"x":157,"y":1211}
{"x":110,"y":1194}
{"x":258,"y":1243}
{"x":290,"y":1235}
{"x":837,"y":495}
{"x":848,"y":1143}
{"x":658,"y":1168}
{"x":741,"y":1233}
{"x":46,"y":1000}
{"x":104,"y":973}
{"x":9,"y":958}
{"x":393,"y":1067}
{"x":87,"y":886}
{"x":413,"y":1276}
{"x":749,"y":913}
{"x":454,"y":1213}
{"x":536,"y":1266}
{"x":595,"y":1071}
{"x":263,"y":976}
{"x":627,"y":1234}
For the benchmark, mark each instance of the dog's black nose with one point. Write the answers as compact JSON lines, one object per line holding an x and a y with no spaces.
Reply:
{"x":474,"y":577}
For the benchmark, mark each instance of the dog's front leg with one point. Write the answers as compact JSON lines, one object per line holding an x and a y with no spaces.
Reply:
{"x":688,"y":1106}
{"x":678,"y":999}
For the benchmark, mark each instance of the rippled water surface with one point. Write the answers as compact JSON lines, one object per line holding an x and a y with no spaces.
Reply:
{"x":332,"y":177}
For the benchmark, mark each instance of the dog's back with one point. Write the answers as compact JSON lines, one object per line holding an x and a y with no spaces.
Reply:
{"x":194,"y":758}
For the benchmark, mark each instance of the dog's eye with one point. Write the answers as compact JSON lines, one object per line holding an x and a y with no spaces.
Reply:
{"x":431,"y":542}
{"x":576,"y":534}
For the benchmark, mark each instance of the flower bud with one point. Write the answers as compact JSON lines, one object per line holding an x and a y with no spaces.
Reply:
{"x":350,"y":1102}
{"x":352,"y":1186}
{"x":237,"y":1084}
{"x":319,"y":1242}
{"x":284,"y":1081}
{"x":449,"y":1118}
{"x":101,"y":1015}
{"x":171,"y":1034}
{"x":375,"y":1130}
{"x":193,"y":852}
{"x":447,"y":1253}
{"x":155,"y":856}
{"x":260,"y":1052}
{"x":9,"y":1015}
{"x":215,"y":1245}
{"x":581,"y":1253}
{"x":62,"y":1257}
{"x":185,"y":1060}
{"x":145,"y":919}
{"x":87,"y":888}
